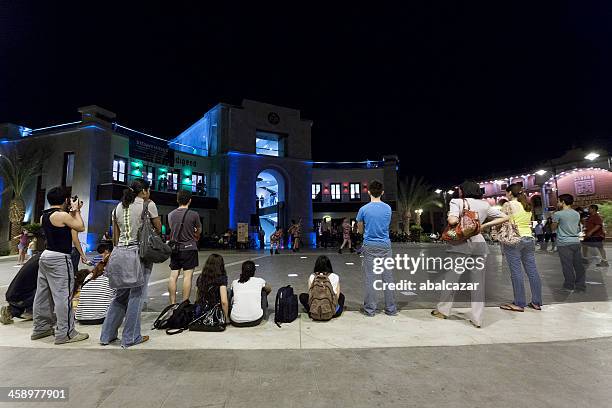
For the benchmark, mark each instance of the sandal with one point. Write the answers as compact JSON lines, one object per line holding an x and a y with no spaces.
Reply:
{"x":439,"y":315}
{"x":534,"y":306}
{"x":512,"y":307}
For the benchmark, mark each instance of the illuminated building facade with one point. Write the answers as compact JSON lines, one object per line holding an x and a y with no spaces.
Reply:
{"x":244,"y":164}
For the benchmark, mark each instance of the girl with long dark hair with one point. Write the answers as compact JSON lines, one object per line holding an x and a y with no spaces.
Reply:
{"x":212,"y":283}
{"x":522,"y":255}
{"x":128,"y":302}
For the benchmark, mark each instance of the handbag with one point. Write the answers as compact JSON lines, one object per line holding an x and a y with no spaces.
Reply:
{"x":174,"y":245}
{"x":152,"y":247}
{"x":508,"y":233}
{"x":467,"y":227}
{"x":124,"y":268}
{"x":209,"y":317}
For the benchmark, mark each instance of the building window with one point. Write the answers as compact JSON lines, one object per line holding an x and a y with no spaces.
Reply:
{"x":316,"y":191}
{"x":198,"y":183}
{"x":174,"y":178}
{"x":119,"y":169}
{"x":335,"y":190}
{"x":355,"y":191}
{"x":269,"y":144}
{"x":148,"y":173}
{"x":68,"y":171}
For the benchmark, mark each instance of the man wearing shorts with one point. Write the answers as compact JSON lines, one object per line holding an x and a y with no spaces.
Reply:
{"x":185,"y":230}
{"x":594,"y":235}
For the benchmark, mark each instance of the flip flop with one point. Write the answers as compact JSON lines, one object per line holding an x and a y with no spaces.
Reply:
{"x":512,"y":307}
{"x":534,"y":306}
{"x":437,"y":314}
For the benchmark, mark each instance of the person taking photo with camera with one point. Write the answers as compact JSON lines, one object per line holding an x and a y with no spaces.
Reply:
{"x":56,"y":276}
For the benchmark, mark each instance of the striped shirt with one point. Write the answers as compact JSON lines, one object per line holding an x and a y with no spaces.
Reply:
{"x":95,"y":298}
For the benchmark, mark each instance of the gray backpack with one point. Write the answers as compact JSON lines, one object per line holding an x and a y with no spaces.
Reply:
{"x":152,"y":247}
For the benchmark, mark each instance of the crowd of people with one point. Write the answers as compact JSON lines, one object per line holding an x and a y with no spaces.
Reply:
{"x":45,"y":287}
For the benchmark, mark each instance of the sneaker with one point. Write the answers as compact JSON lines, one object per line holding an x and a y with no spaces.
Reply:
{"x":271,"y":252}
{"x":5,"y":315}
{"x":78,"y":337}
{"x":603,"y":263}
{"x":38,"y":336}
{"x":26,"y":317}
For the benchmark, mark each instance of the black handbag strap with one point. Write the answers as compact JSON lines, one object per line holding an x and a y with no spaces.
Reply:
{"x":181,"y":227}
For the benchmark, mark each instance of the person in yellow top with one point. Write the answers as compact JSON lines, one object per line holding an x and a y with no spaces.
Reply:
{"x":521,"y":255}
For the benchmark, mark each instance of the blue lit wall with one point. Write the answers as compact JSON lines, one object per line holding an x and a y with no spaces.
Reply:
{"x":201,"y":137}
{"x":243,"y":169}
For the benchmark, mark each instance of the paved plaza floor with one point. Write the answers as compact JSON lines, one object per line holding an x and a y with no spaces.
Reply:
{"x":559,"y":357}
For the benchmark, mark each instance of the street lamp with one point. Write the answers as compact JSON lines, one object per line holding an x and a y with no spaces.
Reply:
{"x":591,"y":156}
{"x":541,"y":172}
{"x":438,"y":191}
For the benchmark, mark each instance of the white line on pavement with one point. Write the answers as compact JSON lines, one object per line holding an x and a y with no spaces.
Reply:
{"x":197,"y":273}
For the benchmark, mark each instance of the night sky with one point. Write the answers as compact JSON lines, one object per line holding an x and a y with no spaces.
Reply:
{"x":457,"y":90}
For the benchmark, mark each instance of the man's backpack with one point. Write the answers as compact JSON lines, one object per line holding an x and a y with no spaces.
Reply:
{"x":175,"y":318}
{"x":322,"y":300}
{"x":286,"y":306}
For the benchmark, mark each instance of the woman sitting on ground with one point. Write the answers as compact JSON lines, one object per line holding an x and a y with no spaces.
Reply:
{"x":212,"y":284}
{"x":249,"y":298}
{"x":323,"y":266}
{"x":97,"y":295}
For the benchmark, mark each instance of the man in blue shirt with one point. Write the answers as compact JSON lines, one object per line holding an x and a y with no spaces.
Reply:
{"x":566,"y":223}
{"x":376,"y":216}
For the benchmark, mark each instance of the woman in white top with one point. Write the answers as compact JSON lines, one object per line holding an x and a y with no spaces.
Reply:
{"x":248,"y":298}
{"x":323,"y":265}
{"x":474,"y":248}
{"x":127,"y":304}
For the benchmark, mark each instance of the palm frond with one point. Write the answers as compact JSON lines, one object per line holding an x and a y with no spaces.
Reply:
{"x":416,"y":193}
{"x":19,"y":166}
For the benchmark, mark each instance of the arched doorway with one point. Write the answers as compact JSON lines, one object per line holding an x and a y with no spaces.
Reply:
{"x":270,"y":200}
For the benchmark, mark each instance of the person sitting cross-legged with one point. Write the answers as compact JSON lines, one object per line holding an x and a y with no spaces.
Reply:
{"x":248,"y":298}
{"x":323,"y":273}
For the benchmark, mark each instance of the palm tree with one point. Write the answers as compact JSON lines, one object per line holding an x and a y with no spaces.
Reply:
{"x":415,"y":195}
{"x":19,"y":167}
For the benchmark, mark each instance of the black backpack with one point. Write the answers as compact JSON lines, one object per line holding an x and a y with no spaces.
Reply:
{"x":286,"y":306}
{"x":175,"y":318}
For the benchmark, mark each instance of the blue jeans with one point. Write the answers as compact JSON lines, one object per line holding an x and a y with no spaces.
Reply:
{"x":573,"y":269}
{"x":127,"y":305}
{"x":370,"y":252}
{"x":524,"y":253}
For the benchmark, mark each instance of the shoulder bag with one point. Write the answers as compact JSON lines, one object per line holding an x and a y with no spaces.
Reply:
{"x":174,"y":244}
{"x":508,"y":233}
{"x":124,"y":268}
{"x":152,"y":247}
{"x":467,"y":227}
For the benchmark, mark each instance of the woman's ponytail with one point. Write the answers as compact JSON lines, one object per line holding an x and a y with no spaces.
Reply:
{"x":130,"y":193}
